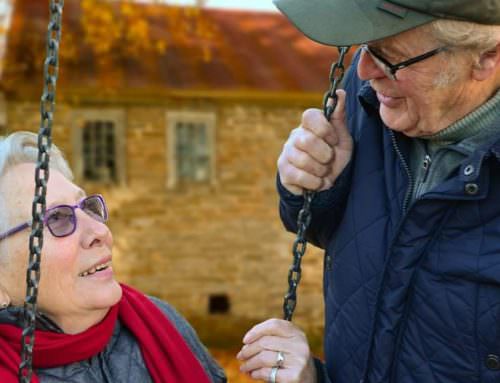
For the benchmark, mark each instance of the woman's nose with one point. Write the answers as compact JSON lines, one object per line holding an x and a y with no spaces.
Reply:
{"x":368,"y":69}
{"x":94,"y":232}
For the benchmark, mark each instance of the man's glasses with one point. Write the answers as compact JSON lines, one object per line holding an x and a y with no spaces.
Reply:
{"x":61,"y":220}
{"x":391,"y":69}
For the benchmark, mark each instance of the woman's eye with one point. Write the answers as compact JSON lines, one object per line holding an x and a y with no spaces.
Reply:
{"x":55,"y":216}
{"x":58,"y":215}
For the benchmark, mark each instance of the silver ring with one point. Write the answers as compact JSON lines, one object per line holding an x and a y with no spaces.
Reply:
{"x":280,"y":359}
{"x":272,"y":375}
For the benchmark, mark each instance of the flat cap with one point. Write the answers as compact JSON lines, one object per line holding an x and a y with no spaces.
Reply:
{"x":349,"y":22}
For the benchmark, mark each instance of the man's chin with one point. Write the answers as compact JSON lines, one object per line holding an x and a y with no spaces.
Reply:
{"x":398,"y":122}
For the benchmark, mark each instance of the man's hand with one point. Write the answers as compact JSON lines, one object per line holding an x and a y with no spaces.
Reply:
{"x":317,"y":151}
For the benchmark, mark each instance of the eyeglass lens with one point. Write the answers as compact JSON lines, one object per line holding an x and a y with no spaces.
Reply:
{"x":61,"y":220}
{"x":382,"y":65}
{"x":95,"y":208}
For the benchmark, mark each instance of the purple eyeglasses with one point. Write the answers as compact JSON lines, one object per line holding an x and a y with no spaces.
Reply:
{"x":61,"y":219}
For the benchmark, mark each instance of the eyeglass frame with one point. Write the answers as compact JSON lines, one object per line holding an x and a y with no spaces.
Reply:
{"x":79,"y":205}
{"x":391,"y":69}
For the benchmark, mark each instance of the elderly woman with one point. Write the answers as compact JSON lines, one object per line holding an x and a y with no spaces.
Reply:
{"x":408,"y":204}
{"x":89,"y":327}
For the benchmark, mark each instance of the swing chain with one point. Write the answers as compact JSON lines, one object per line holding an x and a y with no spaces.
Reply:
{"x":337,"y":72}
{"x":47,"y":107}
{"x":304,"y":218}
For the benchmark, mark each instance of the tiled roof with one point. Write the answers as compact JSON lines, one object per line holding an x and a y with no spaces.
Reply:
{"x":243,"y":51}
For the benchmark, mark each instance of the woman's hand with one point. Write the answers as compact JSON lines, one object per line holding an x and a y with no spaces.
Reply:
{"x":317,"y":151}
{"x":265,"y":341}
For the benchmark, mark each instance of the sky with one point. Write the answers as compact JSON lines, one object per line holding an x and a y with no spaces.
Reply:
{"x":265,"y":5}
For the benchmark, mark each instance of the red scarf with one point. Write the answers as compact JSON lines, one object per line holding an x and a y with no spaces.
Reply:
{"x":166,"y":354}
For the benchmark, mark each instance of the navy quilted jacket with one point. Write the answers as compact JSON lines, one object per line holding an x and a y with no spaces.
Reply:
{"x":412,"y":291}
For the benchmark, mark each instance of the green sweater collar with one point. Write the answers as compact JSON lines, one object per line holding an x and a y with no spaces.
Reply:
{"x":480,"y":121}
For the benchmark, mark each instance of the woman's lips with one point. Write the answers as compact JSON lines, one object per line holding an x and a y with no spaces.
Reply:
{"x":390,"y":102}
{"x":107,"y":273}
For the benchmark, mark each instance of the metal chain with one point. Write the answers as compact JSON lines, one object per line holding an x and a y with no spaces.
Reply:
{"x":41,"y":179}
{"x":304,"y":218}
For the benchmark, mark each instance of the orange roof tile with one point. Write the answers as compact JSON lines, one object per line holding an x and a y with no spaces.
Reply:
{"x":239,"y":51}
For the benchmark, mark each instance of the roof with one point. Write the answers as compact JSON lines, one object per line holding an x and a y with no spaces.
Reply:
{"x":164,"y":48}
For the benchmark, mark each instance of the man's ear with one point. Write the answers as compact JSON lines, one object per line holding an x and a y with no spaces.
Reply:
{"x":488,"y":64}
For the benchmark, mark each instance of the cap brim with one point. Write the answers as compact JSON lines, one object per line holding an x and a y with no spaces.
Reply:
{"x":347,"y":22}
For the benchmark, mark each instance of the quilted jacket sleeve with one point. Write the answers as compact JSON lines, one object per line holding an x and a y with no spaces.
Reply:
{"x":327,"y":209}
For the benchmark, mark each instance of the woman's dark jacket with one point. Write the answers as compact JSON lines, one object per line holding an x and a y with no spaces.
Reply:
{"x":121,"y":361}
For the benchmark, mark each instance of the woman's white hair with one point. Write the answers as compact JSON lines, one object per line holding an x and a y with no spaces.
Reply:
{"x":22,"y":147}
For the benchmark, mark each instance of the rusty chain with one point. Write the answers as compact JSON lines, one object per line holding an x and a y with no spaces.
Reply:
{"x":304,"y":218}
{"x":47,"y":107}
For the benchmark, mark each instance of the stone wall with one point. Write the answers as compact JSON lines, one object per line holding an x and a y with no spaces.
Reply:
{"x":184,"y":244}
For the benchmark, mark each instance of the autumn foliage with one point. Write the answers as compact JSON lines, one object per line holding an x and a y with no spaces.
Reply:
{"x":108,"y":35}
{"x":128,"y":30}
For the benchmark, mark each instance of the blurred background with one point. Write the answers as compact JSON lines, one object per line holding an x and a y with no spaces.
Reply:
{"x":177,"y":112}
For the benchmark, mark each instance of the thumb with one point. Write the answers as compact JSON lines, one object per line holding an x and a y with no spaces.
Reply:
{"x":338,"y":120}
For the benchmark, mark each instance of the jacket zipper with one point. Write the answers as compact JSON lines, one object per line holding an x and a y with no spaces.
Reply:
{"x":426,"y":166}
{"x":411,"y":185}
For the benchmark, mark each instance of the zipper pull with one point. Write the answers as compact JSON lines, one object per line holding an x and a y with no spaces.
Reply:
{"x":426,"y":166}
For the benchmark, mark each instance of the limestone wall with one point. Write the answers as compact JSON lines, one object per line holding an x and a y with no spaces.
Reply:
{"x":184,"y":244}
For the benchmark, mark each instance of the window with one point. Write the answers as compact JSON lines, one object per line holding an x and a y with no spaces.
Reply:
{"x":191,"y":149}
{"x":99,"y":153}
{"x":192,"y":155}
{"x":218,"y":304}
{"x":98,"y":141}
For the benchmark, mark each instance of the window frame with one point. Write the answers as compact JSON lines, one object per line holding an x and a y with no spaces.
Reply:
{"x":85,"y":115}
{"x":189,"y":117}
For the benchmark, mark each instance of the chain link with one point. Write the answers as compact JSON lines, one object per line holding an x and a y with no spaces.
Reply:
{"x":337,"y":72}
{"x":304,"y":218}
{"x":41,"y":179}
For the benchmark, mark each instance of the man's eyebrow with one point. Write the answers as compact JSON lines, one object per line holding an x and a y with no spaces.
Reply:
{"x":385,"y":51}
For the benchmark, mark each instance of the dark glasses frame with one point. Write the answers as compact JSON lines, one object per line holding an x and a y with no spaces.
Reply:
{"x":391,"y":69}
{"x":80,"y":205}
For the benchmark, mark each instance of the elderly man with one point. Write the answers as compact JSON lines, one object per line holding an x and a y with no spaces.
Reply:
{"x":408,"y":204}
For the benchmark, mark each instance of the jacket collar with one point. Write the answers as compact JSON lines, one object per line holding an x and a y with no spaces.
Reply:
{"x":370,"y":104}
{"x":14,"y":316}
{"x":368,"y":98}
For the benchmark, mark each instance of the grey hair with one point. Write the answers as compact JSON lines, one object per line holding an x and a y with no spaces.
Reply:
{"x":22,"y":147}
{"x":471,"y":37}
{"x":462,"y":34}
